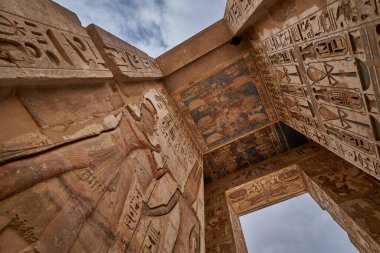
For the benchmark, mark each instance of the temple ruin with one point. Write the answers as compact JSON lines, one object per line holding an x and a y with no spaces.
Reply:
{"x":106,"y":149}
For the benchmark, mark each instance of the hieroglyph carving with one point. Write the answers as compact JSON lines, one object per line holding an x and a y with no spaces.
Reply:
{"x":111,"y":187}
{"x":238,"y":11}
{"x":265,"y":190}
{"x":125,"y":61}
{"x":28,"y":48}
{"x":55,"y":116}
{"x":323,"y":79}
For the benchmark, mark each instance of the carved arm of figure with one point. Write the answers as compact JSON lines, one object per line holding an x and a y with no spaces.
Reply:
{"x":86,"y":191}
{"x":157,"y":172}
{"x":162,"y":209}
{"x":18,"y":176}
{"x":145,"y":144}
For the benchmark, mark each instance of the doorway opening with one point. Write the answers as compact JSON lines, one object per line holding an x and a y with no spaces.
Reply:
{"x":297,"y":225}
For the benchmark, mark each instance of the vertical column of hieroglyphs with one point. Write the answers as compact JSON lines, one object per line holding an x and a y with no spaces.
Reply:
{"x":219,"y":231}
{"x":237,"y":232}
{"x":254,"y":66}
{"x":326,"y":67}
{"x":271,"y":83}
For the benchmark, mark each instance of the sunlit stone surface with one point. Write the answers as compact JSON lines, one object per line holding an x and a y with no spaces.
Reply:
{"x":106,"y":149}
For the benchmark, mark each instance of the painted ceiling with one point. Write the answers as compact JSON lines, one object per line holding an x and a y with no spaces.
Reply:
{"x":231,"y":122}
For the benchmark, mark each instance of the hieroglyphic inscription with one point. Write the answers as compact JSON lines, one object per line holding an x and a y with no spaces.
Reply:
{"x":265,"y":190}
{"x":29,"y":48}
{"x":238,"y":11}
{"x":219,"y":235}
{"x":151,"y":239}
{"x":173,"y":133}
{"x":134,"y":208}
{"x":125,"y":61}
{"x":326,"y":77}
{"x":267,"y":74}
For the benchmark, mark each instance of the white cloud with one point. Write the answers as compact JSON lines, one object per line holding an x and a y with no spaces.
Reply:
{"x":153,"y":26}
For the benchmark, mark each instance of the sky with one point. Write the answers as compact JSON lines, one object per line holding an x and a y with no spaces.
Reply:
{"x":153,"y":26}
{"x":298,"y":225}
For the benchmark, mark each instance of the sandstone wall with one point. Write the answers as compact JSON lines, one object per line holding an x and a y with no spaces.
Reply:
{"x":94,"y":156}
{"x":320,"y":63}
{"x":350,"y":195}
{"x":346,"y":192}
{"x":223,"y":230}
{"x":101,"y":146}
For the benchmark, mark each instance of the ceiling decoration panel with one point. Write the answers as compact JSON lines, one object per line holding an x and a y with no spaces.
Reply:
{"x":225,"y":105}
{"x":251,"y":149}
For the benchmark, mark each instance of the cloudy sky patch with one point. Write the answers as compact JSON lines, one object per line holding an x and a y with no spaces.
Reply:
{"x":297,"y":225}
{"x":153,"y":26}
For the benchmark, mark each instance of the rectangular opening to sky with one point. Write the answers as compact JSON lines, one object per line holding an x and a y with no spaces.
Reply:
{"x":297,"y":225}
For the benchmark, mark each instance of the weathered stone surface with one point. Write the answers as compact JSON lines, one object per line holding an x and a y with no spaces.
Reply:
{"x":126,"y":62}
{"x":43,"y":117}
{"x":349,"y":195}
{"x":40,"y":40}
{"x":266,"y":190}
{"x":320,"y":63}
{"x":124,"y":190}
{"x":96,"y":165}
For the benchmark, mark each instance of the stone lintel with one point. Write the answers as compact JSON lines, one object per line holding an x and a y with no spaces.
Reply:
{"x":265,"y":191}
{"x":195,"y":47}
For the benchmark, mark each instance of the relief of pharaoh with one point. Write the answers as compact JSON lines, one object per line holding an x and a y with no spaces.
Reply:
{"x":71,"y":199}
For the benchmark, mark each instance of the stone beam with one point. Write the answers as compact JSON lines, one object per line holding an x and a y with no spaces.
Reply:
{"x":194,"y":48}
{"x":240,"y":14}
{"x":265,"y":191}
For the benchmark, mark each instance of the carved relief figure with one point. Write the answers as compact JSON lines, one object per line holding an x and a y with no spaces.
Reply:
{"x":97,"y":166}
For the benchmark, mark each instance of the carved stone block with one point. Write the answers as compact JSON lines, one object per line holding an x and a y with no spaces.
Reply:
{"x":37,"y":47}
{"x":125,"y":61}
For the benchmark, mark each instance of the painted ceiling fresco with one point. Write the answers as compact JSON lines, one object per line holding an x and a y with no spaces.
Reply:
{"x":224,"y":106}
{"x":230,"y":117}
{"x":251,"y":149}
